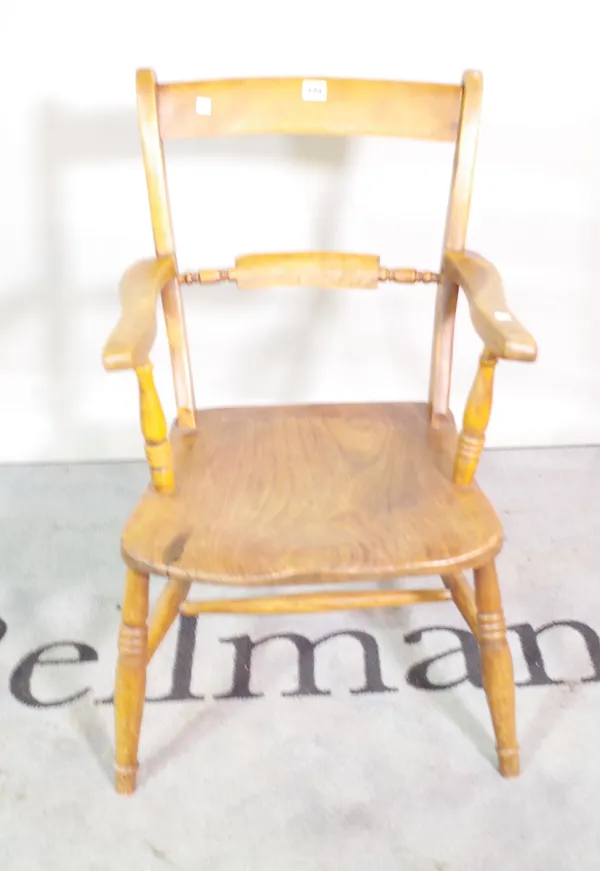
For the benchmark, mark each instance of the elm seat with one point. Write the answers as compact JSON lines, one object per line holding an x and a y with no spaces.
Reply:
{"x":312,"y":493}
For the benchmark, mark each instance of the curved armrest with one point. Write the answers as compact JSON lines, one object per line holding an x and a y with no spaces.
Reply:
{"x":130,"y":342}
{"x":501,"y":332}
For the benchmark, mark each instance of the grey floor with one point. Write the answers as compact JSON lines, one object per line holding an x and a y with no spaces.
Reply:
{"x":401,"y":777}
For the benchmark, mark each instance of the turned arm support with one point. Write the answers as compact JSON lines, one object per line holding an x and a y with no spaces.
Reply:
{"x":128,"y":347}
{"x":476,"y":418}
{"x":503,"y":337}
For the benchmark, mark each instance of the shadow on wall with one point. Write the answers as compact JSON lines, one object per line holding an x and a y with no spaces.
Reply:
{"x":66,"y":140}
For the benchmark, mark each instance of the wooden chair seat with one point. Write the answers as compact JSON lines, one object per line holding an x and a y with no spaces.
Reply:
{"x":312,"y":493}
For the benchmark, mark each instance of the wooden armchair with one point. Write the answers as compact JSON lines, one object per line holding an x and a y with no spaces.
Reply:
{"x":257,"y":497}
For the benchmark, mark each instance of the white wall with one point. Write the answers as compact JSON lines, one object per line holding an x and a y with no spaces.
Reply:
{"x":74,"y":211}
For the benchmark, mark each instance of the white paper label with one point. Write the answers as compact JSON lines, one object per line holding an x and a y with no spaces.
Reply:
{"x":314,"y":90}
{"x":502,"y":316}
{"x":203,"y":106}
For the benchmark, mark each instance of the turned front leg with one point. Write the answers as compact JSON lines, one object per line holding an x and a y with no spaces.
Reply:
{"x":475,"y":421}
{"x":154,"y":429}
{"x":497,"y":667}
{"x":130,"y":688}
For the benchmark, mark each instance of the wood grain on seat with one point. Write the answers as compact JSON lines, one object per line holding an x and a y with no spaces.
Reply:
{"x":312,"y":493}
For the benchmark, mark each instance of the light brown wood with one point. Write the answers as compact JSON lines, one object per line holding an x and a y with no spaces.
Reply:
{"x":476,"y":418}
{"x":496,"y":325}
{"x":310,"y":603}
{"x":128,"y":347}
{"x":311,"y":494}
{"x":325,"y":269}
{"x":206,"y":276}
{"x":497,"y":667}
{"x":154,"y":430}
{"x":463,"y":597}
{"x":130,"y":342}
{"x":303,"y":494}
{"x":130,"y":685}
{"x":160,"y":212}
{"x":165,"y":612}
{"x":408,"y":276}
{"x":234,"y":107}
{"x":455,"y":235}
{"x":316,"y":268}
